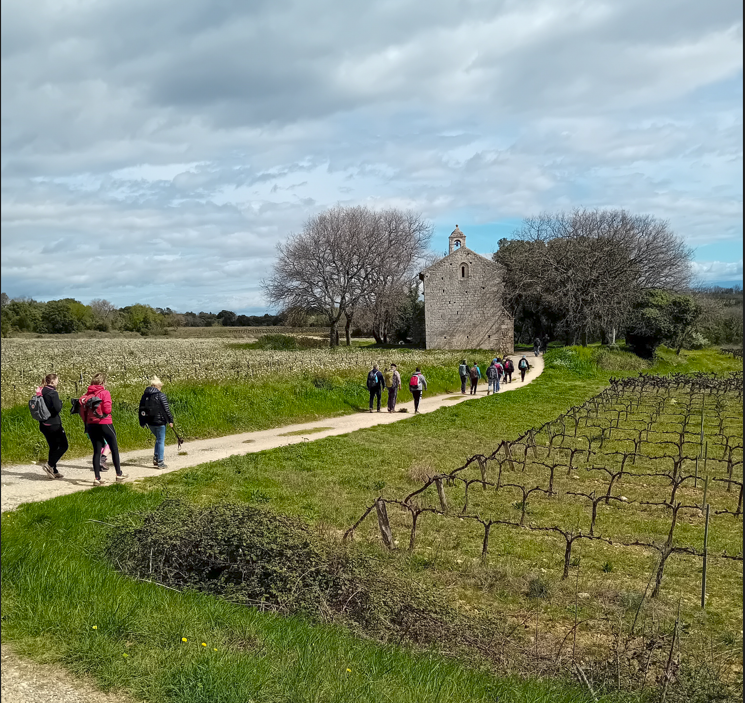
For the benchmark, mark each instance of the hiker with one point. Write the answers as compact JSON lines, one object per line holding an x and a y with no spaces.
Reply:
{"x":546,"y":340}
{"x":375,"y":383}
{"x":537,"y":346}
{"x":105,"y":453}
{"x":492,"y":377}
{"x":51,"y":426}
{"x":523,"y":366}
{"x":393,"y":383}
{"x":417,"y":384}
{"x":463,"y":372}
{"x":155,"y":414}
{"x":509,"y":369}
{"x":95,"y":410}
{"x":475,"y":374}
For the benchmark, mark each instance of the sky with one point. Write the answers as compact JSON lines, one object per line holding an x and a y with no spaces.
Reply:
{"x":158,"y":152}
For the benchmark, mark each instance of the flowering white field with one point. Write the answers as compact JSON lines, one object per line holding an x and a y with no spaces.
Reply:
{"x":134,"y":361}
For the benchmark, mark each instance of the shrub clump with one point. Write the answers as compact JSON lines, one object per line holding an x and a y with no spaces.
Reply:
{"x":254,"y":556}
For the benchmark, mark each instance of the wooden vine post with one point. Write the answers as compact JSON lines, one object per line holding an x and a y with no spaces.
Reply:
{"x":441,"y":495}
{"x":706,"y":557}
{"x":385,"y":526}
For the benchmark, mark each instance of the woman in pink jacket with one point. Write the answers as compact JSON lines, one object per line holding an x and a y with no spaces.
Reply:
{"x":99,"y":426}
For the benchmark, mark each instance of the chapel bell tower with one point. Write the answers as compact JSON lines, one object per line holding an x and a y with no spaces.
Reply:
{"x":457,"y":240}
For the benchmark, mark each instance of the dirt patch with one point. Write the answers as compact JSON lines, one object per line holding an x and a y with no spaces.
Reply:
{"x":24,"y":680}
{"x":310,"y":430}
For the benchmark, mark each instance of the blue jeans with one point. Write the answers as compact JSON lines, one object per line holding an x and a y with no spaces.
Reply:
{"x":494,"y":384}
{"x":160,"y":441}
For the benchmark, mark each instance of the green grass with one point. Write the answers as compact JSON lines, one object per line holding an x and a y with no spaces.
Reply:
{"x":56,"y":590}
{"x":56,"y":586}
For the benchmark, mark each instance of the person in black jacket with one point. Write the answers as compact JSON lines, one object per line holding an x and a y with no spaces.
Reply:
{"x":52,"y":428}
{"x":375,"y":384}
{"x":155,"y":414}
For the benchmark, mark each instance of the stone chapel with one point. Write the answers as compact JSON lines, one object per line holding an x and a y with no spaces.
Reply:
{"x":463,"y":306}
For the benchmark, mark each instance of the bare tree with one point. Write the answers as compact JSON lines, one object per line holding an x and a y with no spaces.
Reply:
{"x":346,"y":260}
{"x":586,"y":269}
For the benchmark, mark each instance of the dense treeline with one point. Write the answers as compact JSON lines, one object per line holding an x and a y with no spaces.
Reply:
{"x":598,"y":275}
{"x":69,"y":315}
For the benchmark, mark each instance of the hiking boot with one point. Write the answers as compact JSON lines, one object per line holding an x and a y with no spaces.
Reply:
{"x":121,"y":477}
{"x":370,"y":409}
{"x":98,"y":482}
{"x":155,"y":462}
{"x":48,"y":470}
{"x":162,"y":465}
{"x":57,"y":474}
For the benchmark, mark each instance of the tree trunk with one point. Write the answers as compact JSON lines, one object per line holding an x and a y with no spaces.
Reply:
{"x":348,"y":330}
{"x":333,"y":334}
{"x":584,"y":338}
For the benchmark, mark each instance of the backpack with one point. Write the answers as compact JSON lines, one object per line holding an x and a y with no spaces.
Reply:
{"x":463,"y":370}
{"x":75,"y":409}
{"x":415,"y":383}
{"x":91,"y":404}
{"x":491,"y":372}
{"x":38,"y":408}
{"x":508,"y":366}
{"x":150,"y":408}
{"x":523,"y":364}
{"x":474,"y":373}
{"x":372,"y":380}
{"x":500,"y":370}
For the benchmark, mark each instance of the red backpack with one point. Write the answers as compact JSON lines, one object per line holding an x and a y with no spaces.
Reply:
{"x":415,"y":383}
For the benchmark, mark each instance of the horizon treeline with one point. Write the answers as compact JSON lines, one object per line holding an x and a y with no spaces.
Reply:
{"x":68,"y":315}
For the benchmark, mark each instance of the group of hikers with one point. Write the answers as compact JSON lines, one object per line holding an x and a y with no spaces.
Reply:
{"x":391,"y":381}
{"x":94,"y":408}
{"x":498,"y":370}
{"x":540,"y":344}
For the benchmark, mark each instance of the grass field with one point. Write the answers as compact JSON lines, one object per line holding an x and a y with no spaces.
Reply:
{"x":57,"y":586}
{"x":215,"y":388}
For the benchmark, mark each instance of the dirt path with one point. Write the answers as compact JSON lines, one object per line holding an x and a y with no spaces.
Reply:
{"x":24,"y":483}
{"x":25,"y":681}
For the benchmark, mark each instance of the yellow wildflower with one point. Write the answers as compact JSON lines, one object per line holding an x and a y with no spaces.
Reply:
{"x":95,"y":627}
{"x":204,"y":644}
{"x":349,"y":671}
{"x":183,"y":639}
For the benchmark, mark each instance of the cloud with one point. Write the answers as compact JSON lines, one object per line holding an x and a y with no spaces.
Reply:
{"x":160,"y":151}
{"x":714,"y":271}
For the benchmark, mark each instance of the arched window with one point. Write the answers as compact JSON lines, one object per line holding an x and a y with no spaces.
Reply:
{"x":457,"y":243}
{"x":464,"y":271}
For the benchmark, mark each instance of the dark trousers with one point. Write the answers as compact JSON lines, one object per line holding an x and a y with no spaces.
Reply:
{"x":57,"y":441}
{"x":474,"y":385}
{"x":522,"y":374}
{"x":375,"y":393}
{"x":100,"y":435}
{"x":417,"y":397}
{"x":463,"y":381}
{"x":508,"y":376}
{"x":392,"y":395}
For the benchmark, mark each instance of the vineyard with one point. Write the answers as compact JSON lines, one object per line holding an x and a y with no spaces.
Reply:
{"x":646,"y":473}
{"x":134,"y":361}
